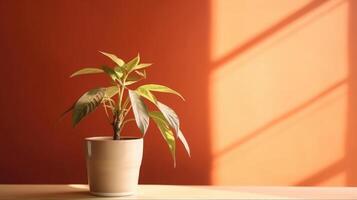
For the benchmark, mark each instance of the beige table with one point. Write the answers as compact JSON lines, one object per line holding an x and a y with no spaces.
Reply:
{"x":74,"y":191}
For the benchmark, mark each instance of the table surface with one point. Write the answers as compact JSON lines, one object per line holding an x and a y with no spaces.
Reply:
{"x":76,"y":191}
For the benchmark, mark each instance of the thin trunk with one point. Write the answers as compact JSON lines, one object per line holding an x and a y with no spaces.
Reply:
{"x":116,"y":127}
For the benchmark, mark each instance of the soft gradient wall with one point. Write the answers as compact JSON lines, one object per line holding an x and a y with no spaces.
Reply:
{"x":43,"y":42}
{"x":281,"y":93}
{"x":270,"y":87}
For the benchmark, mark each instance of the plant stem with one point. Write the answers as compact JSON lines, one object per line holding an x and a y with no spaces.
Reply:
{"x":116,"y":126}
{"x":118,"y":120}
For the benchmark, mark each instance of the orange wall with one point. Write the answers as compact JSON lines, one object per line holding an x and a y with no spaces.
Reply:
{"x":270,"y":87}
{"x":280,"y":93}
{"x":43,"y":42}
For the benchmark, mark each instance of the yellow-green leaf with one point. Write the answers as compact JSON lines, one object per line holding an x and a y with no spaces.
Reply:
{"x":119,"y":70}
{"x":170,"y":115}
{"x":88,"y":70}
{"x":114,"y":58}
{"x":146,"y":94}
{"x":132,"y":63}
{"x":135,"y":77}
{"x":159,"y":88}
{"x":173,"y":120}
{"x":111,"y":91}
{"x":166,"y":132}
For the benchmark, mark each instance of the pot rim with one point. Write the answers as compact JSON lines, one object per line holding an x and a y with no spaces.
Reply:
{"x":110,"y":139}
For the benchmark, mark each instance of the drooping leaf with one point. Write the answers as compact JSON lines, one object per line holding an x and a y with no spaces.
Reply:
{"x":184,"y":142}
{"x":166,"y":132}
{"x":88,"y":102}
{"x":140,"y":111}
{"x":113,"y":75}
{"x":159,"y":88}
{"x":114,"y":58}
{"x":88,"y":70}
{"x":132,"y":64}
{"x":170,"y":115}
{"x":111,"y":91}
{"x":172,"y":119}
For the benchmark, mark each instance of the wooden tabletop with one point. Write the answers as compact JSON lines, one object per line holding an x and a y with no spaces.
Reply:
{"x":76,"y":191}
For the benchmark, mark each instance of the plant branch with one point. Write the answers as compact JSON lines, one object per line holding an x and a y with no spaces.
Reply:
{"x":106,"y":111}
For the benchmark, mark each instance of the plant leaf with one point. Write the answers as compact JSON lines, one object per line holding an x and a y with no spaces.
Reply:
{"x":88,"y":70}
{"x":132,"y":63}
{"x":147,"y":94}
{"x":142,"y":74}
{"x":113,"y":75}
{"x":114,"y":58}
{"x":174,"y":122}
{"x":184,"y":142}
{"x":169,"y":113}
{"x":166,"y":132}
{"x":140,"y":111}
{"x":88,"y":102}
{"x":170,"y":116}
{"x":111,"y":91}
{"x":119,"y":71}
{"x":159,"y":88}
{"x":133,"y":78}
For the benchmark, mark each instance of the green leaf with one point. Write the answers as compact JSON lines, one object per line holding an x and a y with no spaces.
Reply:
{"x":88,"y":102}
{"x":159,"y":88}
{"x":132,"y":63}
{"x":133,"y":78}
{"x":87,"y":71}
{"x":119,"y":70}
{"x":140,"y":111}
{"x":147,"y":94}
{"x":170,"y":116}
{"x":166,"y":132}
{"x":111,"y":91}
{"x":174,"y":122}
{"x":113,"y":75}
{"x":168,"y":113}
{"x":114,"y":58}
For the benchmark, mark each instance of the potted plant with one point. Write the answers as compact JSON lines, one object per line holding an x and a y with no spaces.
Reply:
{"x":113,"y":163}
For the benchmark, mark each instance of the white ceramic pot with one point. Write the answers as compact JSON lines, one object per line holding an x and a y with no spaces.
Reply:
{"x":113,"y":166}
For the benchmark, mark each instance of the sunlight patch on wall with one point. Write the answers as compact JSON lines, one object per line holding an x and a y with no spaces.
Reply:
{"x":278,"y":90}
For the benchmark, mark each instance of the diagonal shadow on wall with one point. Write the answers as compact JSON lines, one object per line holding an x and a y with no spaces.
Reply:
{"x":262,"y":36}
{"x":250,"y":136}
